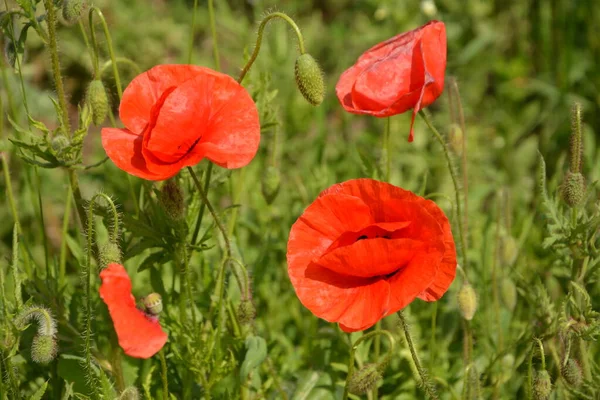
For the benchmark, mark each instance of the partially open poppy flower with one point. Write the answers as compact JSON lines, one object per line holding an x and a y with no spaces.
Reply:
{"x":404,"y":72}
{"x":140,"y":334}
{"x":176,"y":115}
{"x":365,"y":249}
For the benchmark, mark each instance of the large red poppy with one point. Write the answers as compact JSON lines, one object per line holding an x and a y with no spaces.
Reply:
{"x":140,"y":334}
{"x":176,"y":115}
{"x":365,"y":249}
{"x":404,"y":72}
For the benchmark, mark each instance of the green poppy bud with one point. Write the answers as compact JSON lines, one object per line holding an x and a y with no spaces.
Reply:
{"x":43,"y":349}
{"x":309,"y":79}
{"x":153,"y":303}
{"x":246,"y":312}
{"x":270,"y":183}
{"x":467,"y":301}
{"x":171,"y":199}
{"x":542,"y":385}
{"x":59,"y":143}
{"x":110,"y":253}
{"x":571,"y":372}
{"x":97,"y":99}
{"x":71,"y":10}
{"x":364,"y":379}
{"x":573,"y":188}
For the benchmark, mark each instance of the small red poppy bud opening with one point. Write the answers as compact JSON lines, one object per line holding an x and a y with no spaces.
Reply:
{"x":404,"y":72}
{"x":365,"y":249}
{"x":140,"y":334}
{"x":177,"y":115}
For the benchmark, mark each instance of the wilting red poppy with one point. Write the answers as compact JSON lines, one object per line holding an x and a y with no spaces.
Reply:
{"x":404,"y":72}
{"x":176,"y":115}
{"x":140,"y":334}
{"x":365,"y":249}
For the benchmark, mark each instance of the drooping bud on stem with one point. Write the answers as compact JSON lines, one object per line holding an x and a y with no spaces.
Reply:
{"x":309,"y":79}
{"x":571,"y":372}
{"x":110,"y":253}
{"x":365,"y":379}
{"x":97,"y":100}
{"x":246,"y":312}
{"x":542,"y":385}
{"x":71,"y":10}
{"x":43,"y":347}
{"x":270,"y":183}
{"x":172,"y":200}
{"x":467,"y":301}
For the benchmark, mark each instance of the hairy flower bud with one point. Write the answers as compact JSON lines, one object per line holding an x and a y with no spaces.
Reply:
{"x":59,"y":143}
{"x":171,"y":199}
{"x":309,"y":79}
{"x":43,"y":349}
{"x":542,"y":385}
{"x":110,"y":253}
{"x":573,"y":188}
{"x":467,"y":301}
{"x":270,"y":183}
{"x":364,"y":379}
{"x":571,"y":372}
{"x":71,"y":10}
{"x":97,"y":100}
{"x":153,"y":304}
{"x":246,"y":312}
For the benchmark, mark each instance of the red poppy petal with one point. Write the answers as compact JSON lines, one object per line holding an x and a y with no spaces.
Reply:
{"x":145,"y":89}
{"x":124,"y":148}
{"x":138,"y":335}
{"x":370,"y":258}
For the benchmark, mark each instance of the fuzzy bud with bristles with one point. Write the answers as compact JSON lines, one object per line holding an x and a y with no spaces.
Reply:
{"x":246,"y":312}
{"x":110,"y":253}
{"x":571,"y":372}
{"x":309,"y":79}
{"x":573,"y":188}
{"x":270,"y":183}
{"x":72,"y":10}
{"x":59,"y":143}
{"x":467,"y":301}
{"x":172,"y":200}
{"x":542,"y":385}
{"x":364,"y":379}
{"x":153,"y":304}
{"x":97,"y":100}
{"x":508,"y":293}
{"x":43,"y":349}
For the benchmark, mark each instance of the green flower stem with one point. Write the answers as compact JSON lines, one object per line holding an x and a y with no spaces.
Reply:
{"x":213,"y":32}
{"x":193,"y":31}
{"x":207,"y":175}
{"x":439,"y":138}
{"x":19,"y":67}
{"x":426,"y":383}
{"x":15,"y":267}
{"x":111,"y":52}
{"x":58,"y":82}
{"x":585,"y":364}
{"x":259,"y":37}
{"x":376,"y":333}
{"x":38,"y":188}
{"x":62,"y":265}
{"x":386,"y":148}
{"x":237,"y":190}
{"x":120,"y":60}
{"x":163,"y":374}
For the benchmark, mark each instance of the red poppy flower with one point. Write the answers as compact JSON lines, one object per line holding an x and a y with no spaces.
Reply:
{"x":404,"y":72}
{"x":365,"y":249}
{"x":176,"y":115}
{"x":140,"y":334}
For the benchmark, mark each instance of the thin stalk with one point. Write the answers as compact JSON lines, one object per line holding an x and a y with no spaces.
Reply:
{"x":58,"y":81}
{"x":42,"y":222}
{"x":213,"y":31}
{"x":111,"y":51}
{"x":439,"y":138}
{"x":461,"y":119}
{"x":386,"y":148}
{"x":163,"y":374}
{"x":9,"y":191}
{"x":426,"y":383}
{"x":433,"y":331}
{"x":207,"y":175}
{"x":193,"y":31}
{"x":259,"y":37}
{"x":63,"y":244}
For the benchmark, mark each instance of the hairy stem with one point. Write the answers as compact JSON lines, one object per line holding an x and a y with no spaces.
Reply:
{"x":207,"y":175}
{"x":111,"y":52}
{"x":163,"y":374}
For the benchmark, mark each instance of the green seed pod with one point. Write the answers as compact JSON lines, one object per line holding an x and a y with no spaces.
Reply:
{"x":97,"y":100}
{"x":153,"y":303}
{"x":172,"y":200}
{"x":364,"y":379}
{"x":110,"y":253}
{"x":542,"y":385}
{"x":571,"y":372}
{"x":246,"y":312}
{"x":270,"y":183}
{"x":467,"y":301}
{"x":43,"y":349}
{"x":573,"y":188}
{"x":309,"y":79}
{"x":72,"y":10}
{"x":508,"y":293}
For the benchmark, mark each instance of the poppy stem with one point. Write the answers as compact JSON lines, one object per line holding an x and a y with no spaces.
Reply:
{"x":259,"y":37}
{"x":461,"y":230}
{"x":207,"y":175}
{"x":111,"y":51}
{"x":163,"y":374}
{"x":386,"y":148}
{"x":426,"y":383}
{"x":213,"y":32}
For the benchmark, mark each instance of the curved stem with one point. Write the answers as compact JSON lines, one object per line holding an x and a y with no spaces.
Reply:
{"x":259,"y":37}
{"x":213,"y":31}
{"x":122,"y":60}
{"x":108,"y":42}
{"x":439,"y":138}
{"x":386,"y":148}
{"x":207,"y":175}
{"x":428,"y":386}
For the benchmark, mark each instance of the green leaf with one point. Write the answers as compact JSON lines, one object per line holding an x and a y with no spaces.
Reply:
{"x":40,"y":392}
{"x":155,"y":258}
{"x":255,"y":354}
{"x":306,"y":385}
